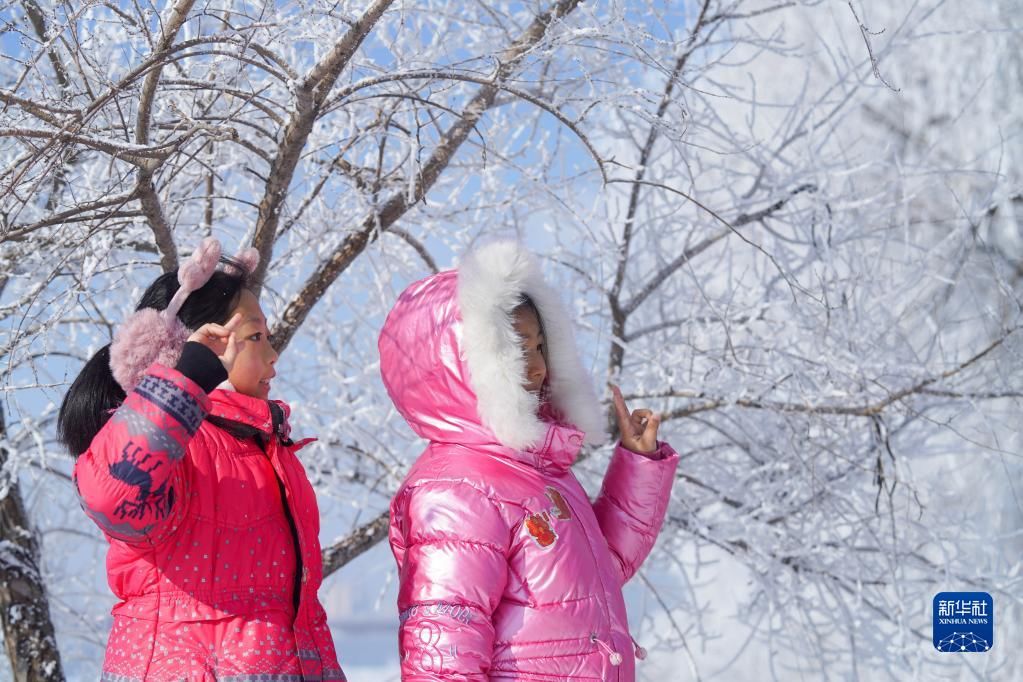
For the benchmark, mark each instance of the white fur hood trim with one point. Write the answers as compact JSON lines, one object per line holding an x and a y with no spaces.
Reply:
{"x":490,"y":283}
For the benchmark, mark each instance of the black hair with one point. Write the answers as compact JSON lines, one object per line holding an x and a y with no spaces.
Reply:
{"x":527,"y":303}
{"x":94,"y":394}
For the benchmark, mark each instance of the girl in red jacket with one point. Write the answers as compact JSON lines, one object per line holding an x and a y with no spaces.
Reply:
{"x":189,"y":471}
{"x":507,"y":570}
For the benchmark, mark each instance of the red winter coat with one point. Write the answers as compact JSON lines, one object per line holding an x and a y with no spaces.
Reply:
{"x":204,"y":552}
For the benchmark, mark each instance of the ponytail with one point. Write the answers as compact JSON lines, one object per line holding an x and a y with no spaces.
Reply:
{"x":88,"y":403}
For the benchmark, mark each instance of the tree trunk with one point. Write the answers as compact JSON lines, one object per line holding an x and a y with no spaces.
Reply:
{"x":24,"y":609}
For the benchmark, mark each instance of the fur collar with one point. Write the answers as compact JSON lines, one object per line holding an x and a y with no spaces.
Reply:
{"x":490,"y":283}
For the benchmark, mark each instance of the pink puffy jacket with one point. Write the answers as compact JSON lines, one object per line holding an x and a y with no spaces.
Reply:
{"x":507,"y":570}
{"x":206,"y":535}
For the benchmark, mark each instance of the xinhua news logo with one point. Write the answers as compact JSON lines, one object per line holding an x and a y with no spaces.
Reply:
{"x":964,"y":622}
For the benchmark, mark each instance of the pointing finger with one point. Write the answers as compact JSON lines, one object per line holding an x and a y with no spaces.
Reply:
{"x":230,"y":352}
{"x":234,"y":322}
{"x":620,"y":408}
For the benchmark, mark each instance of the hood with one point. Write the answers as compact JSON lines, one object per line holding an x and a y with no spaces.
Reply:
{"x":453,"y":365}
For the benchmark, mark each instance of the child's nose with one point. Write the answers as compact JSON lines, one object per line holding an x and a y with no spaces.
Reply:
{"x":537,"y":370}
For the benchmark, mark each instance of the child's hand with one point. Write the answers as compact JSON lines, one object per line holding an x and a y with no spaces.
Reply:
{"x":639,"y":428}
{"x":221,"y":339}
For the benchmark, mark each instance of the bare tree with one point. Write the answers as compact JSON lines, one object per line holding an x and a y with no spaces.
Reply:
{"x":770,"y":230}
{"x":24,"y":608}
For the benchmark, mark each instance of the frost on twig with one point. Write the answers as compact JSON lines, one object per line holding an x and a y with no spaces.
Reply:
{"x":874,"y":61}
{"x":816,"y":286}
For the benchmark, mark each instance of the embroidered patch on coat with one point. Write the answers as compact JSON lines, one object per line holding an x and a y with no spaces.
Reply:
{"x":560,"y":509}
{"x":540,"y":525}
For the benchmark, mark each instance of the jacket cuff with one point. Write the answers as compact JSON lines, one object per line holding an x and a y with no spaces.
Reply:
{"x":641,"y":484}
{"x":663,"y":451}
{"x":201,"y":365}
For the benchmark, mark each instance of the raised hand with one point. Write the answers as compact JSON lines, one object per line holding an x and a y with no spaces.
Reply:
{"x":221,"y":339}
{"x":639,"y":428}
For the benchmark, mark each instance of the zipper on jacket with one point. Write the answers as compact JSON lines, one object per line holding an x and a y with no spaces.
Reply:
{"x":613,"y":656}
{"x":300,"y":569}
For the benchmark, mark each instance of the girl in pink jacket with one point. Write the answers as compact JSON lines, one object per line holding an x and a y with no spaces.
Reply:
{"x":189,"y":471}
{"x":507,"y":570}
